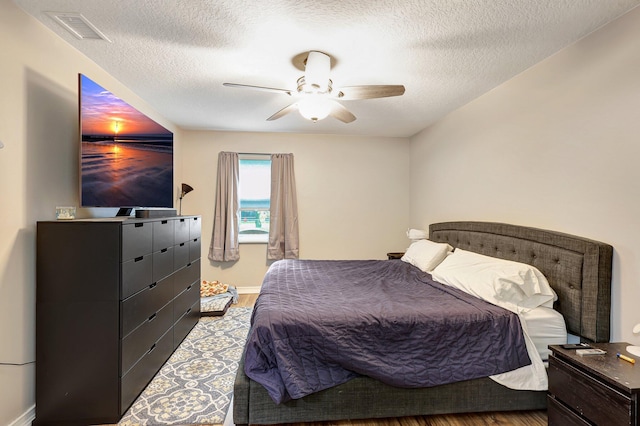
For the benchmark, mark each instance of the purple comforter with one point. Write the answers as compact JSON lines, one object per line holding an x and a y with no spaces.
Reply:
{"x":320,"y":323}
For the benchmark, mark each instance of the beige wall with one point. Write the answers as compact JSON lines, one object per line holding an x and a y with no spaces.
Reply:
{"x":38,"y":171}
{"x":557,"y":147}
{"x":353,"y":197}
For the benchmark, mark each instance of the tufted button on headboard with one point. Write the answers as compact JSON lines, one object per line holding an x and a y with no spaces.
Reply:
{"x":578,"y":269}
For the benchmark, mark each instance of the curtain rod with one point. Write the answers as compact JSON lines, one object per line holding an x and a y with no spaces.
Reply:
{"x":254,"y":153}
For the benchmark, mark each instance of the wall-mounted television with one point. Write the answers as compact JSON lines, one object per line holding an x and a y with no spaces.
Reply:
{"x":126,"y":158}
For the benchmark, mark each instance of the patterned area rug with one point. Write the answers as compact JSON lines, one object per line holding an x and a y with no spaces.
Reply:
{"x":195,"y":386}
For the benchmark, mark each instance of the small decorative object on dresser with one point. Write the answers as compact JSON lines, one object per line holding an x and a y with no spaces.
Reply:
{"x":635,"y":350}
{"x":114,"y":299}
{"x":65,"y":213}
{"x":597,"y":389}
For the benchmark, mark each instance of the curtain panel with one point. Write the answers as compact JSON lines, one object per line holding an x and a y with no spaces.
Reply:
{"x":224,"y":239}
{"x":283,"y":229}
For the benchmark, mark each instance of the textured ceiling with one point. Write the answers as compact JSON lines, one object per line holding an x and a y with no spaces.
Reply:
{"x":176,"y":54}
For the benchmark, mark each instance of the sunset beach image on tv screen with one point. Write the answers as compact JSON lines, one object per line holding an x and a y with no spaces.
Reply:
{"x":126,"y":157}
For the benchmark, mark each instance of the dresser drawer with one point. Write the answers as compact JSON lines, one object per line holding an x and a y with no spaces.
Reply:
{"x":181,"y":231}
{"x":138,"y":342}
{"x":180,"y":255}
{"x":559,"y":415}
{"x":162,"y":263}
{"x":186,"y":276}
{"x":194,"y":227}
{"x":136,"y":240}
{"x":163,"y":234}
{"x":194,"y":249}
{"x":139,"y":307}
{"x":185,"y":300}
{"x":136,"y":274}
{"x":141,"y":374}
{"x":185,"y":323}
{"x":586,"y":396}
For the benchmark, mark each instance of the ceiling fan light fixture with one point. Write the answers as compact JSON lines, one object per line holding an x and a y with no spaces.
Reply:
{"x":306,"y":88}
{"x":316,"y":71}
{"x":316,"y":95}
{"x":314,"y":108}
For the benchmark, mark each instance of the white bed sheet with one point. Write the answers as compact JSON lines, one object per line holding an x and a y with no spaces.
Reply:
{"x":534,"y":376}
{"x":546,"y":327}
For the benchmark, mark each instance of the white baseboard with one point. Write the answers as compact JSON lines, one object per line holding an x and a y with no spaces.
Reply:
{"x":26,"y":418}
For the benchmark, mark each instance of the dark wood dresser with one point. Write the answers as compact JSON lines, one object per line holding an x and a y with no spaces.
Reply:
{"x":595,"y":389}
{"x":114,"y":299}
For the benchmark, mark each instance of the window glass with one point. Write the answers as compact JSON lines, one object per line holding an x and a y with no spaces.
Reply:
{"x":254,"y":195}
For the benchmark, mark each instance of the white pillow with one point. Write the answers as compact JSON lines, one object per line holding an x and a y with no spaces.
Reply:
{"x":426,"y":255}
{"x":515,"y":286}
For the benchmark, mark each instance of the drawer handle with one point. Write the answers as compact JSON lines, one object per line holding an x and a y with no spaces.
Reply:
{"x":139,"y":225}
{"x":152,"y":348}
{"x":195,"y":240}
{"x":152,"y":285}
{"x":189,"y":288}
{"x":189,"y":265}
{"x":164,"y":222}
{"x":181,"y":244}
{"x":188,"y":311}
{"x":164,"y":250}
{"x":181,"y":220}
{"x":138,"y":259}
{"x":152,"y":317}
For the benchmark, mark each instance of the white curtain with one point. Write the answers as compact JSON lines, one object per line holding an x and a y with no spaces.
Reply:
{"x":283,"y":229}
{"x":224,"y":240}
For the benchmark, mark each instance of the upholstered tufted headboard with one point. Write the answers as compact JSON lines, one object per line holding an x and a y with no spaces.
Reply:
{"x":578,"y":269}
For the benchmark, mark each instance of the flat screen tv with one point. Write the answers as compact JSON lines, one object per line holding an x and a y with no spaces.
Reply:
{"x":126,"y":158}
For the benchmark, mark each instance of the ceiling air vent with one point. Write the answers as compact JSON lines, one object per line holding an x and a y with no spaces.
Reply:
{"x":78,"y":25}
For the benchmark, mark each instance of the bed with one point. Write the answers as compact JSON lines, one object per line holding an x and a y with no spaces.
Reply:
{"x":578,"y":270}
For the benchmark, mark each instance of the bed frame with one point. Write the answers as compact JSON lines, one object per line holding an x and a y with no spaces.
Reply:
{"x":578,"y":269}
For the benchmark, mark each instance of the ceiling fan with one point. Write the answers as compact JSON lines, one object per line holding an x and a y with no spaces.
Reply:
{"x":317,"y":97}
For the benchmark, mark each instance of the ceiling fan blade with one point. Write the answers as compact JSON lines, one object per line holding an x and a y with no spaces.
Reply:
{"x":260,"y":88}
{"x":284,"y":111}
{"x":339,"y":112}
{"x":369,"y":92}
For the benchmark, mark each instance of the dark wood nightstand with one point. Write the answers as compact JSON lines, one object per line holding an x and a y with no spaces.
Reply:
{"x":395,"y":255}
{"x":595,"y":389}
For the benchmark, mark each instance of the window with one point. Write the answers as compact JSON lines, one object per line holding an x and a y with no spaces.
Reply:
{"x":254,"y":195}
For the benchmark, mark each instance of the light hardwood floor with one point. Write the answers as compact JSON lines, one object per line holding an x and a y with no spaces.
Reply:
{"x":522,"y":418}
